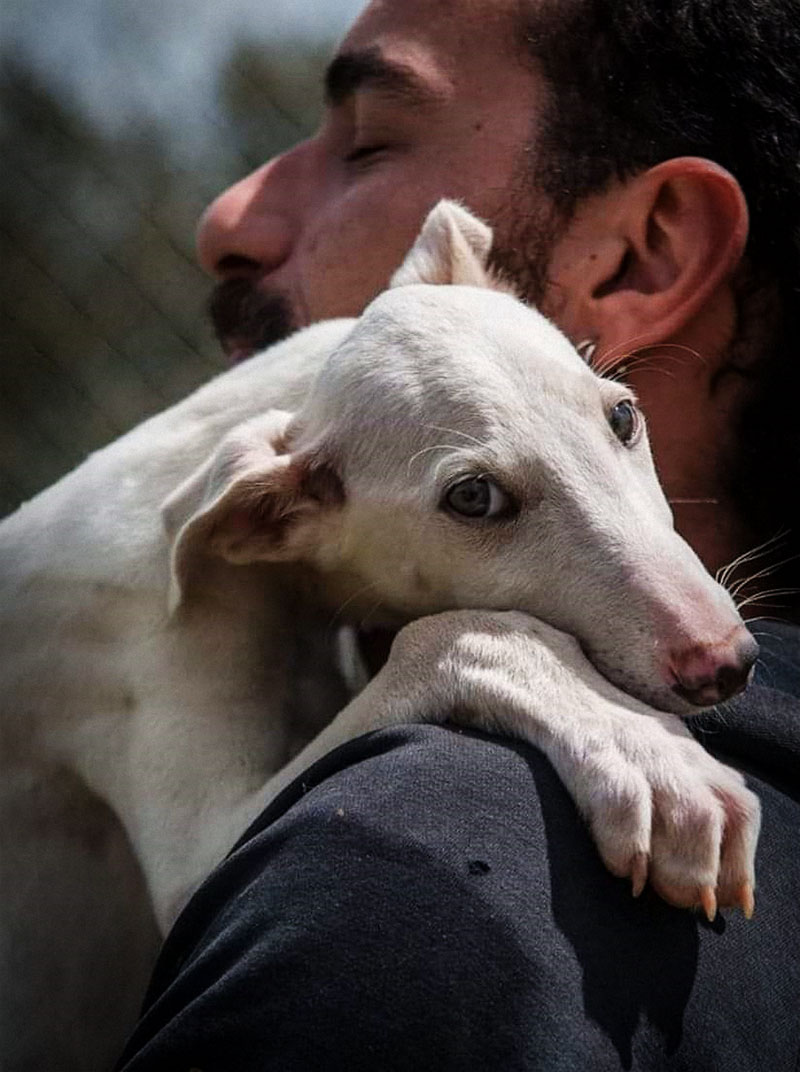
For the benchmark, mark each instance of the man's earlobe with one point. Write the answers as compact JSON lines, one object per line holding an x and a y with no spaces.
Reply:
{"x":653,"y":252}
{"x":249,"y":503}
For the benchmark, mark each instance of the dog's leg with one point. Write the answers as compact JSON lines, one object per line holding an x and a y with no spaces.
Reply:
{"x":181,"y":764}
{"x":658,"y":805}
{"x":187,"y":791}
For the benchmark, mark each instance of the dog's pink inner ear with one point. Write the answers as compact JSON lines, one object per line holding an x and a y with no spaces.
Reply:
{"x":452,"y":247}
{"x":271,"y":516}
{"x":320,"y":483}
{"x":247,"y":532}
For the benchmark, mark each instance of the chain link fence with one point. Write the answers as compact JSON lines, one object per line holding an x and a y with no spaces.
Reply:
{"x":102,"y":317}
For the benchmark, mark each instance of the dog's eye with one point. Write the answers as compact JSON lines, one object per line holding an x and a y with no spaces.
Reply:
{"x":477,"y":496}
{"x":625,"y":422}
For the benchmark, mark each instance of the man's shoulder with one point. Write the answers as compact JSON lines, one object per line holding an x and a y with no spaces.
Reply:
{"x":368,"y":919}
{"x":407,"y":778}
{"x":429,"y":897}
{"x":425,"y":897}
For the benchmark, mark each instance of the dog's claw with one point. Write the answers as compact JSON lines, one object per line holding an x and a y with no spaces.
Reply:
{"x":746,"y":899}
{"x":638,"y":873}
{"x":708,"y":900}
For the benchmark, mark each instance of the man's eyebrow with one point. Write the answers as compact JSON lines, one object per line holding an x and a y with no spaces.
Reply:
{"x":368,"y":69}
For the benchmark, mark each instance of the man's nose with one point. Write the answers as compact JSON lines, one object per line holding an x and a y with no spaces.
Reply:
{"x":248,"y":229}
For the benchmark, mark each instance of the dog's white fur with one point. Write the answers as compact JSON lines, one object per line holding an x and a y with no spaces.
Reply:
{"x":168,"y":607}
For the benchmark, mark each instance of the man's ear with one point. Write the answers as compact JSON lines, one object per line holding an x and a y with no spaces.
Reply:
{"x":646,"y":257}
{"x":452,"y":247}
{"x":252,"y":501}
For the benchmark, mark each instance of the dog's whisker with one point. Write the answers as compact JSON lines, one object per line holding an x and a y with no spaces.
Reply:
{"x":773,"y":638}
{"x":758,"y":597}
{"x":427,"y":450}
{"x":684,"y":356}
{"x":773,"y":592}
{"x":768,"y":618}
{"x":626,"y":346}
{"x":350,"y":599}
{"x":622,"y":373}
{"x":767,"y":571}
{"x":761,"y":551}
{"x":766,"y":670}
{"x":375,"y":607}
{"x":723,"y":710}
{"x":438,"y":466}
{"x":736,"y":589}
{"x":638,"y":359}
{"x":627,"y":350}
{"x":723,"y":574}
{"x":665,"y":347}
{"x":457,"y":432}
{"x":632,"y":356}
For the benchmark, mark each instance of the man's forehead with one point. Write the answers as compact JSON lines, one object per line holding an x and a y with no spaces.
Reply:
{"x":449,"y":31}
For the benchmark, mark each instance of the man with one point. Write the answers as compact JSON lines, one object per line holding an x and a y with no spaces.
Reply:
{"x":458,"y":917}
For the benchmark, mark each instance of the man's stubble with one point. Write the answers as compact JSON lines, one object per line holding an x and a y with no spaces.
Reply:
{"x":248,"y":317}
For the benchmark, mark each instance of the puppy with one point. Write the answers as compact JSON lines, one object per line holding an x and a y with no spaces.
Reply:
{"x":171,"y":607}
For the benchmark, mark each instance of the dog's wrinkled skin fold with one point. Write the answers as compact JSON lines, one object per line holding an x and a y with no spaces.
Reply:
{"x":168,"y":607}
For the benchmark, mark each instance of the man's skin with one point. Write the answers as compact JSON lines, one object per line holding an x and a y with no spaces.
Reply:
{"x":426,"y":101}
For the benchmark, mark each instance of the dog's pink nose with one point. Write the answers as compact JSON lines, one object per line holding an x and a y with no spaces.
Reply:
{"x":706,"y":674}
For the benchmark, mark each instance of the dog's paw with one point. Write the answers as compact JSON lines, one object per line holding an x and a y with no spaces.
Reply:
{"x":662,"y":809}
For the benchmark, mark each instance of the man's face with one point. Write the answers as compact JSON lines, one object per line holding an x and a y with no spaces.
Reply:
{"x":423,"y":101}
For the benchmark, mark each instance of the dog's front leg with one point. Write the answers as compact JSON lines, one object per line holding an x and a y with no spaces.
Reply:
{"x":658,"y":805}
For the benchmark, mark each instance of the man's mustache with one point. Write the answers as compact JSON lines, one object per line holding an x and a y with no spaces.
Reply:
{"x":246,"y":318}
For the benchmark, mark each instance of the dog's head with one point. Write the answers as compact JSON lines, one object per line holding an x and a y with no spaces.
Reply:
{"x":456,"y":451}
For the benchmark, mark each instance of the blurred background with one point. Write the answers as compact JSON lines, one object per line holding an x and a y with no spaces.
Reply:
{"x":119,"y":121}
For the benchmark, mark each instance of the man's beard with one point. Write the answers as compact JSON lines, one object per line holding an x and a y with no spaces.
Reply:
{"x":526,"y":229}
{"x":246,"y":318}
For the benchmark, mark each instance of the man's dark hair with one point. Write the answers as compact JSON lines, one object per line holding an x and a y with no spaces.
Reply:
{"x":636,"y":82}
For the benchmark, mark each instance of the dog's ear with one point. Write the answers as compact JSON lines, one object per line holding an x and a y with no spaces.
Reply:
{"x":452,"y":247}
{"x":252,"y":501}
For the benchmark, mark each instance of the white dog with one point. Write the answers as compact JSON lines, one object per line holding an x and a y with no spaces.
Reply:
{"x":170,"y":613}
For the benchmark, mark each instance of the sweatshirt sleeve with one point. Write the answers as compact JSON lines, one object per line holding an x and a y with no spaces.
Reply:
{"x":427,"y":899}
